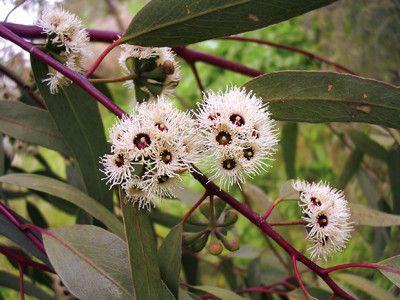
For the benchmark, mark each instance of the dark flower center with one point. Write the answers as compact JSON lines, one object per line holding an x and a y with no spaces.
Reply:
{"x":237,"y":120}
{"x":166,"y":157}
{"x":142,"y":140}
{"x":248,"y":153}
{"x":119,"y":160}
{"x":229,"y":164}
{"x":163,"y":179}
{"x":322,"y":221}
{"x":214,"y":116}
{"x":315,"y":201}
{"x":223,"y":138}
{"x":255,"y":134}
{"x":161,"y":127}
{"x":324,"y":240}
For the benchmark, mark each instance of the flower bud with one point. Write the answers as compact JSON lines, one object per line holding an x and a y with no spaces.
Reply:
{"x":205,"y":209}
{"x":219,"y":206}
{"x":196,"y":219}
{"x":168,"y":67}
{"x":230,"y":218}
{"x":215,"y":247}
{"x":230,"y":244}
{"x":200,"y":243}
{"x":189,"y":237}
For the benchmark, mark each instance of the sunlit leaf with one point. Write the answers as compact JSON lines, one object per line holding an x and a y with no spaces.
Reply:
{"x":178,"y":22}
{"x":92,"y":262}
{"x":317,"y":97}
{"x":31,"y":124}
{"x":365,"y":216}
{"x":69,"y":193}
{"x":35,"y":215}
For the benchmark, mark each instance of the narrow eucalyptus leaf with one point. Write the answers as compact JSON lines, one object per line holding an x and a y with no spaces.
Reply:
{"x":351,"y":166}
{"x":367,"y":145}
{"x":393,"y":263}
{"x":393,"y":161}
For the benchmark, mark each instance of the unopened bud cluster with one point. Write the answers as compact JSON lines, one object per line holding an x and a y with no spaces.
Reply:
{"x":155,"y":71}
{"x":327,"y":216}
{"x":214,"y":232}
{"x":67,"y":42}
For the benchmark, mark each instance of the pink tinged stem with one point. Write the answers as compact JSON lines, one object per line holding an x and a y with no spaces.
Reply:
{"x":14,"y":219}
{"x":276,"y":202}
{"x":205,"y":195}
{"x":290,"y":48}
{"x":361,"y":265}
{"x":101,"y":57}
{"x":296,"y":273}
{"x":23,"y":260}
{"x":21,"y":280}
{"x":77,"y":78}
{"x":198,"y":80}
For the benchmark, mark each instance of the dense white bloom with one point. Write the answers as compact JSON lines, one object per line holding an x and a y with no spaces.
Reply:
{"x":327,"y":215}
{"x":67,"y":41}
{"x":157,"y":69}
{"x":152,"y":147}
{"x":8,"y":89}
{"x":236,"y":127}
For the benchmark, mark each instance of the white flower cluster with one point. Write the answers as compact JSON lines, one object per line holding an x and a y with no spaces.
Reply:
{"x":9,"y":90}
{"x":156,"y":71}
{"x":237,"y":134}
{"x":327,"y":215}
{"x":151,"y":148}
{"x":67,"y":42}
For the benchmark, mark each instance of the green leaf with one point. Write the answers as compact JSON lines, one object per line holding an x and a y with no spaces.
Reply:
{"x":365,"y":216}
{"x":394,"y":263}
{"x":178,"y":22}
{"x":367,"y":145}
{"x":315,"y":293}
{"x":351,"y":166}
{"x":11,"y":281}
{"x":364,"y":285}
{"x":219,"y":292}
{"x":190,"y":266}
{"x":77,"y":117}
{"x":289,"y":146}
{"x":69,"y":193}
{"x":394,"y":176}
{"x":169,"y":259}
{"x":317,"y":97}
{"x":169,"y":220}
{"x":31,"y":124}
{"x":184,"y":295}
{"x":10,"y":231}
{"x":142,"y":253}
{"x":35,"y":215}
{"x":91,"y":262}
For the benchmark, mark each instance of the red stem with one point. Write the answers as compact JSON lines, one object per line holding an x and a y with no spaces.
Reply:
{"x":194,"y":207}
{"x":23,"y":260}
{"x":290,"y":48}
{"x":101,"y":57}
{"x":14,"y":219}
{"x":25,"y":87}
{"x":256,"y":219}
{"x":21,"y":280}
{"x":360,"y":265}
{"x":77,"y":78}
{"x":197,"y":77}
{"x":296,"y":273}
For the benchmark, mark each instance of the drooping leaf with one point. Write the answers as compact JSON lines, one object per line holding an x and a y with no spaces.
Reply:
{"x":184,"y":295}
{"x":365,"y":216}
{"x":190,"y":267}
{"x":178,"y":22}
{"x":169,"y":259}
{"x":11,"y":281}
{"x":227,"y":265}
{"x":219,"y":292}
{"x":368,"y":187}
{"x":92,"y":262}
{"x":394,"y":176}
{"x":367,"y":145}
{"x":78,"y":119}
{"x":350,"y":168}
{"x":69,"y":193}
{"x":142,"y":253}
{"x":394,"y":263}
{"x":289,"y":146}
{"x":318,"y":97}
{"x":254,"y":277}
{"x":10,"y":231}
{"x":365,"y":285}
{"x":31,"y":124}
